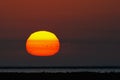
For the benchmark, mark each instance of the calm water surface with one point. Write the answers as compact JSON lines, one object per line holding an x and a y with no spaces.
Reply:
{"x":58,"y":70}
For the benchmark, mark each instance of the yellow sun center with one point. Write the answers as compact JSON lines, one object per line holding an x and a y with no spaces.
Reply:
{"x":42,"y":43}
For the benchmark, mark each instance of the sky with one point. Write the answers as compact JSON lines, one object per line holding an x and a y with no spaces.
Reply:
{"x":89,"y":31}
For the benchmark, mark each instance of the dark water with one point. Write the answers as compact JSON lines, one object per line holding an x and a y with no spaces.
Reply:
{"x":59,"y":69}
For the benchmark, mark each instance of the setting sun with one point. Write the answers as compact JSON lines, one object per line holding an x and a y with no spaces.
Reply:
{"x":42,"y":43}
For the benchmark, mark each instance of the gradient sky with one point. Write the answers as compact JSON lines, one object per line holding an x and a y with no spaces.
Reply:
{"x":89,"y":31}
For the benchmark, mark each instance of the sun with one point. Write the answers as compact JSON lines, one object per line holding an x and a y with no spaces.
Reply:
{"x":42,"y":43}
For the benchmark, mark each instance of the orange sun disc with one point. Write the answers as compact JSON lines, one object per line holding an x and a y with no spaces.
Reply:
{"x":42,"y":43}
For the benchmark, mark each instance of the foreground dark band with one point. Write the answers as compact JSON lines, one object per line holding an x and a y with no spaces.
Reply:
{"x":61,"y":76}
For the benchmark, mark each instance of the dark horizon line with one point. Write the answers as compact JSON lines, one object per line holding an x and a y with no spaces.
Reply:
{"x":64,"y":67}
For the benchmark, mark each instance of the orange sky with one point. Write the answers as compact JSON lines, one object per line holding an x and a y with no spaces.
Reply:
{"x":67,"y":18}
{"x":88,"y":30}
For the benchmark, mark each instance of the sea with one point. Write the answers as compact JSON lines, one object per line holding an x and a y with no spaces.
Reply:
{"x":60,"y":70}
